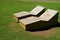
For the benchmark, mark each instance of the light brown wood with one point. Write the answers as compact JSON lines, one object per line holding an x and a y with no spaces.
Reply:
{"x":15,"y":18}
{"x":22,"y":25}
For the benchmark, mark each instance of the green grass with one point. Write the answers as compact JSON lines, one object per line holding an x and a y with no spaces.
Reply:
{"x":9,"y":28}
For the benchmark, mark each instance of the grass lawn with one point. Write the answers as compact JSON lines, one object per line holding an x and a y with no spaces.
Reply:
{"x":9,"y":28}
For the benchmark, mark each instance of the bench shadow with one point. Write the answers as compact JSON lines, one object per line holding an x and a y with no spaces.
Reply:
{"x":57,"y":25}
{"x":43,"y":29}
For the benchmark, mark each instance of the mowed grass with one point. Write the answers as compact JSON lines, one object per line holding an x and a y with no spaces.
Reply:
{"x":9,"y":28}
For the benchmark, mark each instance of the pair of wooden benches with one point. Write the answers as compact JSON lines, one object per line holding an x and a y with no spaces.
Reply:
{"x":36,"y":19}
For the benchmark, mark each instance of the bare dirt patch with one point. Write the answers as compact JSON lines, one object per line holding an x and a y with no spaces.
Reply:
{"x":14,"y":27}
{"x":44,"y":33}
{"x":12,"y":24}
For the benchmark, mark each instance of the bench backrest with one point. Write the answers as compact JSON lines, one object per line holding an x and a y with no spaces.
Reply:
{"x":48,"y":14}
{"x":37,"y":10}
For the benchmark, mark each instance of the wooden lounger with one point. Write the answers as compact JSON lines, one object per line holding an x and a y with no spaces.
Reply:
{"x":48,"y":18}
{"x":37,"y":11}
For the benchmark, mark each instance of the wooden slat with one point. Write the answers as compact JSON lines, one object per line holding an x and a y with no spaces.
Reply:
{"x":15,"y":18}
{"x":22,"y":25}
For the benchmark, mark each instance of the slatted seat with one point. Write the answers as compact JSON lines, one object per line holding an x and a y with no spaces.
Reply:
{"x":21,"y":15}
{"x":38,"y":10}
